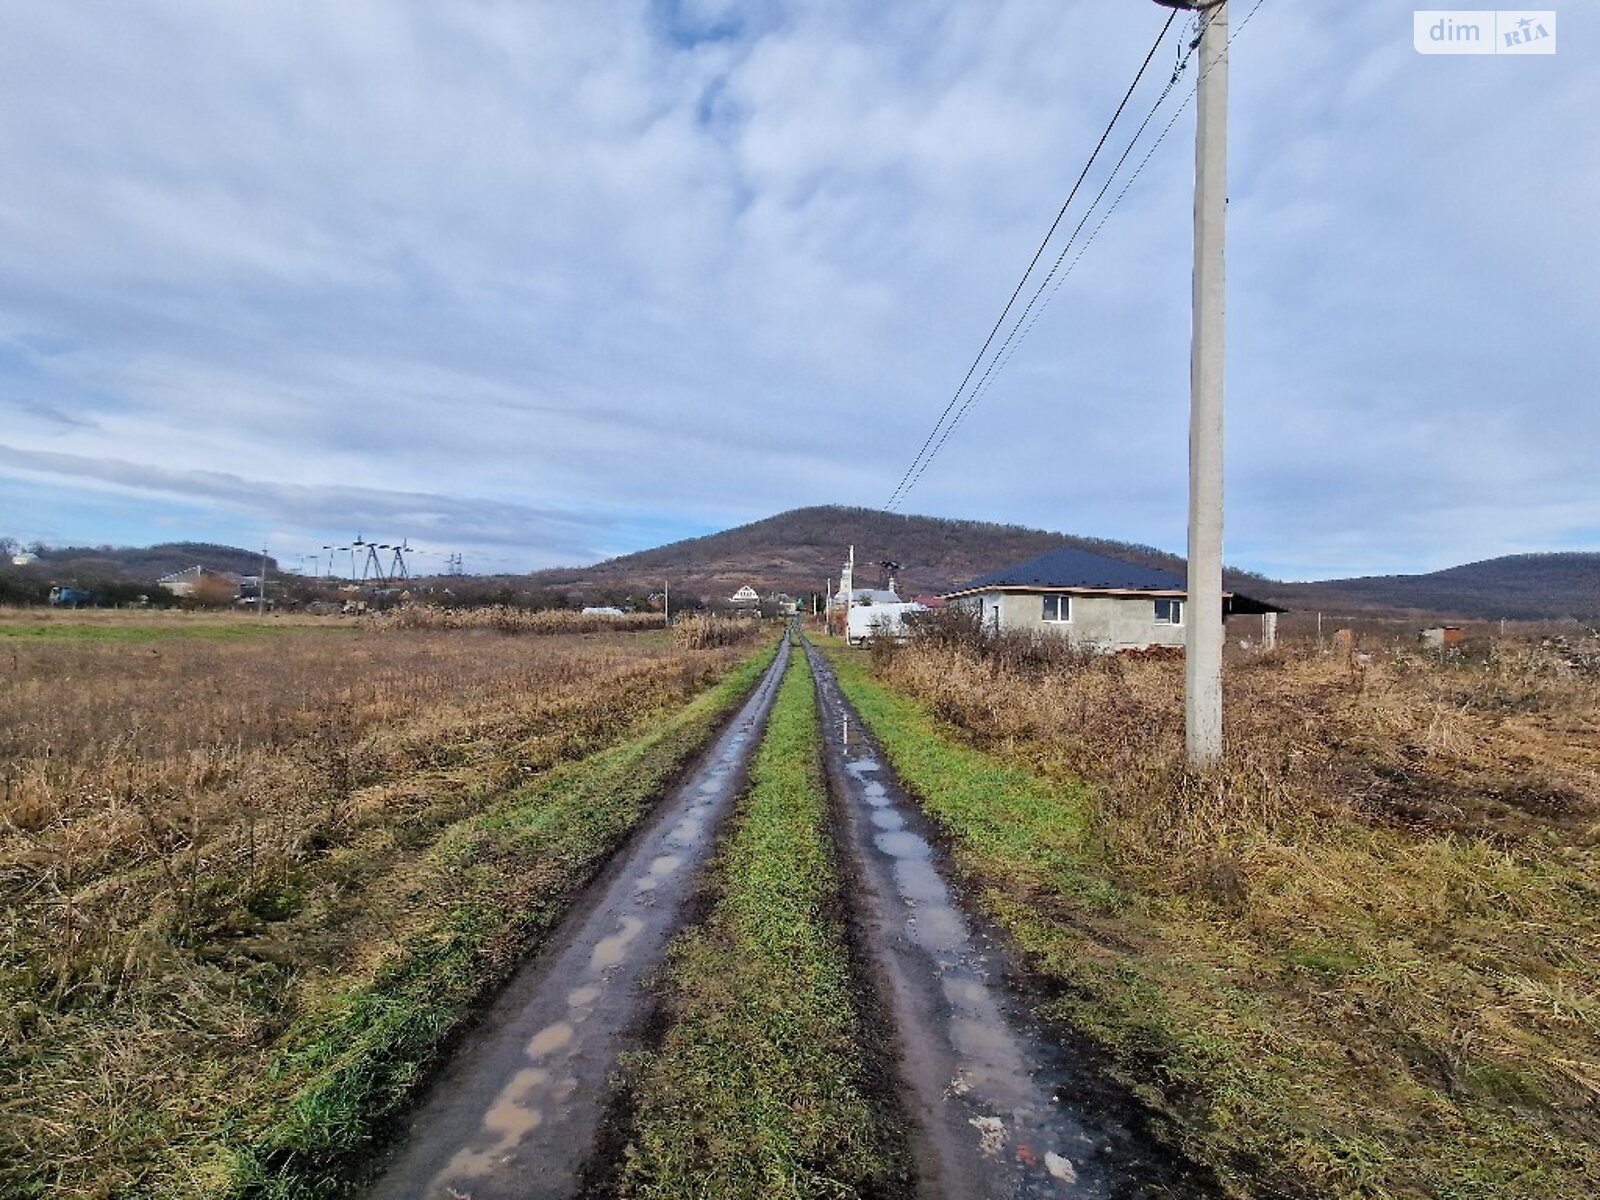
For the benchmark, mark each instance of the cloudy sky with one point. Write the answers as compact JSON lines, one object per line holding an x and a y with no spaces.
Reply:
{"x":547,"y":281}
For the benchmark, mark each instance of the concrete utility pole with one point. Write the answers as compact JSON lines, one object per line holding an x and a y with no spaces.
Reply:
{"x":261,"y":593}
{"x":1204,"y":635}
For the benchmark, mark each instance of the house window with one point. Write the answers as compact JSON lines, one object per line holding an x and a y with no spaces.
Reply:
{"x":1058,"y":608}
{"x":1169,"y":612}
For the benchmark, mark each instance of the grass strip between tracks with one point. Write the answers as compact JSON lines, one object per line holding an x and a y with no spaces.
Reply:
{"x":502,"y":879}
{"x":759,"y":1086}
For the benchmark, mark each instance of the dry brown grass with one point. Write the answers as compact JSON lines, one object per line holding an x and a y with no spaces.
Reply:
{"x":703,"y":632}
{"x":195,"y":833}
{"x":504,"y":618}
{"x":1371,"y":938}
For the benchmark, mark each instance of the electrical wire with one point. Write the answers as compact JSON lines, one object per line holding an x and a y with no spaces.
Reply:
{"x":1037,"y":254}
{"x":1024,"y":325}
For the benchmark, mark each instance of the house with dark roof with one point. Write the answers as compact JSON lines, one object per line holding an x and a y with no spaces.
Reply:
{"x":1094,"y":600}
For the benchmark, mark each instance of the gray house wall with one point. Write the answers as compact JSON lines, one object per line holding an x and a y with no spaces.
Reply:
{"x":1098,"y":622}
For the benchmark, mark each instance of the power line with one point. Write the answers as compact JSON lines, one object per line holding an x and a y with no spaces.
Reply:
{"x":1017,"y":291}
{"x":1019,"y":332}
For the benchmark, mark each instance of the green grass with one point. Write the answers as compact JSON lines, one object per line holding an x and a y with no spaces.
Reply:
{"x":759,"y":1088}
{"x":502,"y":880}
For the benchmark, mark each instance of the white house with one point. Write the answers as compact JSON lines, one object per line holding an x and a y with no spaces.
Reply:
{"x":1093,"y":600}
{"x":184,"y":582}
{"x":745,"y":595}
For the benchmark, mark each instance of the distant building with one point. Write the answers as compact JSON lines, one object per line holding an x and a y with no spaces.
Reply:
{"x":745,"y":596}
{"x":189,"y":580}
{"x":868,"y":596}
{"x":1093,"y":600}
{"x":602,"y":610}
{"x":24,"y":559}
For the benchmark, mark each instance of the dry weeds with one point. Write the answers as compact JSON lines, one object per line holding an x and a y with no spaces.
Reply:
{"x":193,"y":832}
{"x":703,"y":632}
{"x":1372,"y":934}
{"x":505,"y":618}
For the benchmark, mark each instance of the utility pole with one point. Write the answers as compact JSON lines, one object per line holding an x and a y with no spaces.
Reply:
{"x":666,"y":603}
{"x":261,"y":591}
{"x":1202,"y":708}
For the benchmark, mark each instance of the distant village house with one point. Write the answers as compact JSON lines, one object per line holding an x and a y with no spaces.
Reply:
{"x":197,"y":581}
{"x":1093,"y":600}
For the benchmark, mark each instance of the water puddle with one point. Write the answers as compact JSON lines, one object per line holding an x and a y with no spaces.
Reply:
{"x":903,"y":845}
{"x":609,"y":951}
{"x":549,"y":1039}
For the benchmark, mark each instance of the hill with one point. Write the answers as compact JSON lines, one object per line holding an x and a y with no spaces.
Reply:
{"x":143,"y":564}
{"x":1519,"y":587}
{"x":799,"y":550}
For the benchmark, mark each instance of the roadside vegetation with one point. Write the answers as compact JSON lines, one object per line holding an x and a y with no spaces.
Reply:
{"x":1360,"y":959}
{"x":759,"y":1087}
{"x":508,"y":618}
{"x":251,"y":884}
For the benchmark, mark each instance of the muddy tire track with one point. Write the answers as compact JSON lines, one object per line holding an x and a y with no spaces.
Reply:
{"x":995,"y":1101}
{"x":517,"y":1112}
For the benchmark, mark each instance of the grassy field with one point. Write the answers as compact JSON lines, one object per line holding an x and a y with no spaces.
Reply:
{"x":1361,"y":959}
{"x":152,"y":625}
{"x":252,"y":882}
{"x":759,"y":1087}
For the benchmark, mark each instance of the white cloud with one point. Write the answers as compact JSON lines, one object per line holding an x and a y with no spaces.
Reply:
{"x":713,"y":260}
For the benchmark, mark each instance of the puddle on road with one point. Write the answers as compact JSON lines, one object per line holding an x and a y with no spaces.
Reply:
{"x":549,"y":1039}
{"x":583,"y":997}
{"x":903,"y":845}
{"x":510,"y":1119}
{"x":609,"y":951}
{"x":661,"y":869}
{"x":687,"y":831}
{"x":887,"y":819}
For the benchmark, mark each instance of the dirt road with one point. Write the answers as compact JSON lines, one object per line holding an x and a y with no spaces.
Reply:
{"x":995,"y":1101}
{"x":518,"y":1110}
{"x":995,"y":1107}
